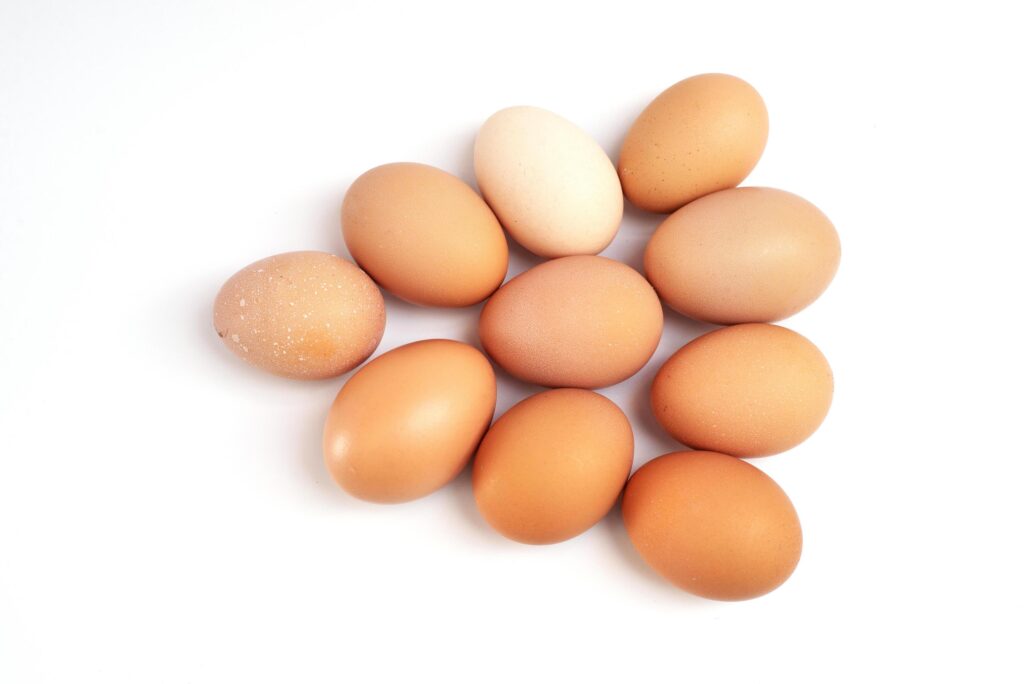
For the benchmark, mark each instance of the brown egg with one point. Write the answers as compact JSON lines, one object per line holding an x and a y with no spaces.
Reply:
{"x":408,"y":422}
{"x":553,"y":465}
{"x":743,"y":255}
{"x":424,"y":235}
{"x":748,"y":390}
{"x":703,"y":134}
{"x":305,"y":315}
{"x":579,"y":321}
{"x":712,"y":524}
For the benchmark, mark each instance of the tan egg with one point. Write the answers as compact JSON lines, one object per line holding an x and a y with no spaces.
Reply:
{"x":553,"y":465}
{"x":743,"y":255}
{"x":424,"y":235}
{"x":409,"y":421}
{"x":712,"y":524}
{"x":305,"y":315}
{"x":551,"y":185}
{"x":703,"y":134}
{"x":748,"y":390}
{"x":581,"y":321}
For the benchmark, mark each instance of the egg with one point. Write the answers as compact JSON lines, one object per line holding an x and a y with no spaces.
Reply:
{"x":424,"y":235}
{"x":579,"y":321}
{"x":552,"y":466}
{"x":703,"y":134}
{"x":747,"y":390}
{"x":409,"y":421}
{"x":743,"y":255}
{"x":306,"y":315}
{"x":552,"y":186}
{"x":712,"y":525}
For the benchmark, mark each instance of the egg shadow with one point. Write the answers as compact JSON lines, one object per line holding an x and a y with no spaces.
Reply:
{"x":460,"y":492}
{"x":615,"y":533}
{"x":520,"y":259}
{"x":464,"y":167}
{"x":308,"y":438}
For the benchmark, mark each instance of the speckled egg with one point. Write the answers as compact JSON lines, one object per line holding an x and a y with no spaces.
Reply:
{"x":305,"y":315}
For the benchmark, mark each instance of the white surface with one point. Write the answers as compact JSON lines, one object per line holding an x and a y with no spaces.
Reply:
{"x":164,"y":514}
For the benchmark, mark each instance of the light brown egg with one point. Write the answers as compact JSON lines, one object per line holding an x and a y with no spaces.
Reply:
{"x":743,"y":255}
{"x":703,"y":134}
{"x":553,"y":465}
{"x":409,"y":421}
{"x":581,"y":321}
{"x":424,"y":235}
{"x":747,"y":390}
{"x":712,"y":524}
{"x":305,"y":315}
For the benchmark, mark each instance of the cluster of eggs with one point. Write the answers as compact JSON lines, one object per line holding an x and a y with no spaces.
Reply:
{"x":553,"y":465}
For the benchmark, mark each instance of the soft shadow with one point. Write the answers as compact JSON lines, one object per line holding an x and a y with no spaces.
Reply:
{"x":615,"y":532}
{"x":463,"y":164}
{"x":460,"y":493}
{"x":308,"y":439}
{"x":678,"y":331}
{"x":512,"y":390}
{"x":325,"y":230}
{"x":520,"y":259}
{"x":643,"y":419}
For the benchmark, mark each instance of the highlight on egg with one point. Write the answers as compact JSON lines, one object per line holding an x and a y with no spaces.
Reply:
{"x":304,"y":315}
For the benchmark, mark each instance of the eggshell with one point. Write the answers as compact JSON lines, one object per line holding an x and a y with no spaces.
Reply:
{"x":703,"y":134}
{"x":424,"y":235}
{"x":748,"y":390}
{"x":581,"y":321}
{"x":551,"y":185}
{"x":305,"y":315}
{"x":743,"y":255}
{"x":553,"y":465}
{"x":408,"y":422}
{"x":713,"y":525}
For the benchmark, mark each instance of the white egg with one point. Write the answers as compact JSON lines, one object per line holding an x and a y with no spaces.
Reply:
{"x":550,"y":184}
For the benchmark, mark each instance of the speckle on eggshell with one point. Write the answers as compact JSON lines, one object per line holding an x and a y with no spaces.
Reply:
{"x":331,"y":331}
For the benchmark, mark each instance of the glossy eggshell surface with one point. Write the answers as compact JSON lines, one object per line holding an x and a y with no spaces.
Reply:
{"x":743,"y":255}
{"x":703,"y":134}
{"x":306,"y":315}
{"x":747,"y":390}
{"x":553,"y":465}
{"x":424,"y":235}
{"x":582,"y":321}
{"x":552,"y":186}
{"x":409,"y":421}
{"x":712,"y":524}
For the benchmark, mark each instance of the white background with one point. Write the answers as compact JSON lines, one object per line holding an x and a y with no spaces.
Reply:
{"x":164,"y":512}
